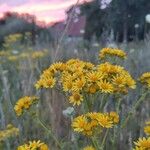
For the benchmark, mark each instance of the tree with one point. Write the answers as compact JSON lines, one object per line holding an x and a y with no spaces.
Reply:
{"x":119,"y":16}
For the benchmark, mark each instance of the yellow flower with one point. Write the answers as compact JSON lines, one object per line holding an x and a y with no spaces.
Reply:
{"x":94,"y":76}
{"x":49,"y":82}
{"x":76,"y":76}
{"x":148,"y":123}
{"x":38,"y":84}
{"x":147,"y":128}
{"x":12,"y":58}
{"x":94,"y":122}
{"x":24,"y":55}
{"x":93,"y":115}
{"x":88,"y":65}
{"x":105,"y":87}
{"x":67,"y":86}
{"x":105,"y":121}
{"x":93,"y":118}
{"x":76,"y":98}
{"x":74,"y":65}
{"x":23,"y":147}
{"x":89,"y":148}
{"x":117,"y":76}
{"x":145,"y":79}
{"x":145,"y":76}
{"x":119,"y":81}
{"x":47,"y":79}
{"x":143,"y":143}
{"x":67,"y":81}
{"x":92,"y":88}
{"x":108,"y":68}
{"x":111,"y":52}
{"x":37,"y":54}
{"x":46,"y":82}
{"x":130,"y":82}
{"x":78,"y":84}
{"x":148,"y":83}
{"x":33,"y":145}
{"x":44,"y":147}
{"x":79,"y":73}
{"x":24,"y":103}
{"x":59,"y":66}
{"x":10,"y":131}
{"x":80,"y":124}
{"x":114,"y":117}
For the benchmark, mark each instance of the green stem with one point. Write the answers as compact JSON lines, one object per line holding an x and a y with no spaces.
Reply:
{"x":49,"y":132}
{"x":47,"y":129}
{"x":115,"y":134}
{"x":135,"y":106}
{"x":102,"y":104}
{"x":95,"y":143}
{"x":118,"y":105}
{"x":44,"y":126}
{"x":104,"y":139}
{"x":87,"y":105}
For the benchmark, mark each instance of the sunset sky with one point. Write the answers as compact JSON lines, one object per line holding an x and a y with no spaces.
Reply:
{"x":44,"y":10}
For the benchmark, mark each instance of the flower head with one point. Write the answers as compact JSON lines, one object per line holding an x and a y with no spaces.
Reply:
{"x":105,"y":86}
{"x":112,"y":52}
{"x":10,"y":131}
{"x":142,"y":143}
{"x":89,"y":148}
{"x":147,"y":128}
{"x":145,"y":79}
{"x":114,"y":117}
{"x":24,"y":103}
{"x":33,"y":145}
{"x":76,"y":98}
{"x":80,"y":124}
{"x":88,"y":123}
{"x":105,"y":121}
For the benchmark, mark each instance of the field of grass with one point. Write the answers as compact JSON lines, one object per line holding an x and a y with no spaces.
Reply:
{"x":72,"y":98}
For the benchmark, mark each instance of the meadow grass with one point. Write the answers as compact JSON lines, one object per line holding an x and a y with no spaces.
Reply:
{"x":59,"y":117}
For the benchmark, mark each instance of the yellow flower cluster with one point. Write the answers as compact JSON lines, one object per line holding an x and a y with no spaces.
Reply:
{"x":12,"y":58}
{"x":33,"y":54}
{"x":112,"y":52}
{"x":89,"y":123}
{"x":4,"y":53}
{"x":116,"y":78}
{"x":38,"y":54}
{"x":25,"y":55}
{"x":34,"y":145}
{"x":10,"y":131}
{"x":77,"y":77}
{"x":147,"y":128}
{"x":24,"y":103}
{"x":145,"y":78}
{"x":89,"y":148}
{"x":12,"y":38}
{"x":142,"y":144}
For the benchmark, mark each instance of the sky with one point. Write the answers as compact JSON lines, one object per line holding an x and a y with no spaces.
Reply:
{"x":44,"y":10}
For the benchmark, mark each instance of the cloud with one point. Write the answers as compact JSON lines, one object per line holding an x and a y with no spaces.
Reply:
{"x":14,"y":2}
{"x":47,"y":10}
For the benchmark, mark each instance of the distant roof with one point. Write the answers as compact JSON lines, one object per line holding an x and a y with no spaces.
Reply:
{"x":75,"y":29}
{"x":77,"y":26}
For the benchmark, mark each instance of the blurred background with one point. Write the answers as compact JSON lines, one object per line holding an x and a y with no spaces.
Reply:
{"x":34,"y":34}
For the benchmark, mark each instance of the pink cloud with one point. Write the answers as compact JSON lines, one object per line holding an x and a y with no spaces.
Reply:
{"x":46,"y":10}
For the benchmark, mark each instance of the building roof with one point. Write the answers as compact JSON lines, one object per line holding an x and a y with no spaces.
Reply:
{"x":75,"y":28}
